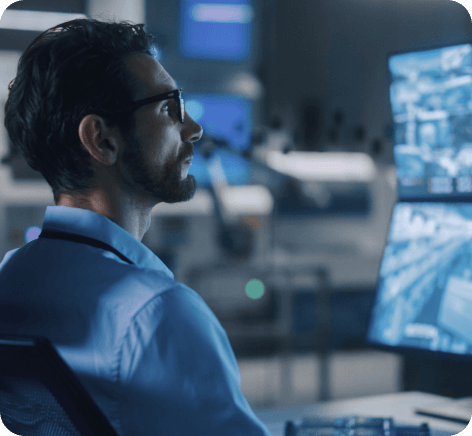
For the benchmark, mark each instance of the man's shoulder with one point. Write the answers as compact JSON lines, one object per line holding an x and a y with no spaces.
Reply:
{"x":169,"y":291}
{"x":7,"y":257}
{"x":168,"y":298}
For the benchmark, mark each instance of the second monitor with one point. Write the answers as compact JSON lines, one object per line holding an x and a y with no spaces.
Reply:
{"x":424,"y":294}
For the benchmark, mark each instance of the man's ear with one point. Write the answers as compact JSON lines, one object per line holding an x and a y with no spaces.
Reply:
{"x":96,"y":138}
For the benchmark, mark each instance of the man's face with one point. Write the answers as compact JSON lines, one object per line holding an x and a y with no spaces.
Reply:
{"x":155,"y":152}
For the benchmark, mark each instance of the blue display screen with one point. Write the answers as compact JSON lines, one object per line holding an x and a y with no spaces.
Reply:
{"x":228,"y":118}
{"x":216,"y":29}
{"x":222,"y":116}
{"x":431,"y":102}
{"x":424,"y":295}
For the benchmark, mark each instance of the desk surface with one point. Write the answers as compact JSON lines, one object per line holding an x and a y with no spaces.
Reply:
{"x":399,"y":406}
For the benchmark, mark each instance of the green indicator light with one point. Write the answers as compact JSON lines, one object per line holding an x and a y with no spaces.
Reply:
{"x":254,"y":289}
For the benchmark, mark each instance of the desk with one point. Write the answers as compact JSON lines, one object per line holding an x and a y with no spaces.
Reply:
{"x":398,"y":406}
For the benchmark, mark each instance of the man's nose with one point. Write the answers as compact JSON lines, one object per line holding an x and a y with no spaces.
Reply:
{"x":192,"y":131}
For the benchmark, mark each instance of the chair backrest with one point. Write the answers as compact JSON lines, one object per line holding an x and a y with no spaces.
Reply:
{"x":41,"y":396}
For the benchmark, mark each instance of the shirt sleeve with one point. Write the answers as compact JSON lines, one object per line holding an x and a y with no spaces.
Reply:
{"x":179,"y":373}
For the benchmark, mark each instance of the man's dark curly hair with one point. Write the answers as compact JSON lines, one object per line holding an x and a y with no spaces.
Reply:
{"x":69,"y":71}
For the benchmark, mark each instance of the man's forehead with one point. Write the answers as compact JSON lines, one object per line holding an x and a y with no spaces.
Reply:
{"x":150,"y":76}
{"x":164,"y":78}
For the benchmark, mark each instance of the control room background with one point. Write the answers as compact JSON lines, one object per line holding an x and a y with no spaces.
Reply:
{"x":312,"y":79}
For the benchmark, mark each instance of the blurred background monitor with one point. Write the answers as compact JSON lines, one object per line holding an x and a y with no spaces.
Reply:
{"x":216,"y":30}
{"x":229,"y":120}
{"x":431,"y":104}
{"x":424,"y":293}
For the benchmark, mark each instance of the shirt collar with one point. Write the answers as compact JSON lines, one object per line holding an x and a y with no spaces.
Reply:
{"x":94,"y":225}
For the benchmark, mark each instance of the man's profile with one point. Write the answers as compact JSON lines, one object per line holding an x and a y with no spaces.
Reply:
{"x":93,"y":110}
{"x":93,"y":169}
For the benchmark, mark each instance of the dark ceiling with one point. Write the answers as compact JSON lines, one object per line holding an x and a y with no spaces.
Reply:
{"x":19,"y":40}
{"x":74,"y":6}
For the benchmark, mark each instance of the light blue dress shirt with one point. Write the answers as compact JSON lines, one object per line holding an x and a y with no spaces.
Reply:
{"x":147,"y":348}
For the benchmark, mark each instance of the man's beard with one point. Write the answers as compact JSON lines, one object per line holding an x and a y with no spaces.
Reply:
{"x":165,"y":184}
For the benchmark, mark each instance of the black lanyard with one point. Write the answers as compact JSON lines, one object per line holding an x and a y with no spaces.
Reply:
{"x":52,"y":234}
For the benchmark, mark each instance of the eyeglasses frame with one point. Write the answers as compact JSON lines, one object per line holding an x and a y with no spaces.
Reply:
{"x":175,"y":94}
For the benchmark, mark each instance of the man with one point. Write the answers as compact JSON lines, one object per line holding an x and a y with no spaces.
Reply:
{"x":147,"y":348}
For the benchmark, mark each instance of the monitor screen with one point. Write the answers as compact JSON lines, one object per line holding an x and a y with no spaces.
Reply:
{"x":227,"y":118}
{"x":431,"y":103}
{"x":216,"y":30}
{"x":424,"y":294}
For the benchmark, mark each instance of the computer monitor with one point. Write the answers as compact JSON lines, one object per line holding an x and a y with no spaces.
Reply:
{"x":424,"y":293}
{"x":220,"y":30}
{"x":228,"y":119}
{"x":423,"y":300}
{"x":431,"y":104}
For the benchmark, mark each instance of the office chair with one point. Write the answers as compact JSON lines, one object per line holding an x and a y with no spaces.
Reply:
{"x":53,"y":402}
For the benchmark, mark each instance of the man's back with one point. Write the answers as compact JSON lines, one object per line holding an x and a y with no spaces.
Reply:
{"x":147,"y":348}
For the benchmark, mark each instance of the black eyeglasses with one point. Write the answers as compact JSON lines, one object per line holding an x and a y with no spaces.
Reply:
{"x":176,"y":95}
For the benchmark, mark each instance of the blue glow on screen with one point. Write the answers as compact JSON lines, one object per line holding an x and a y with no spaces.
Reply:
{"x":218,"y":30}
{"x":226,"y":117}
{"x":424,"y":295}
{"x":237,"y":170}
{"x":431,"y":102}
{"x":223,"y":117}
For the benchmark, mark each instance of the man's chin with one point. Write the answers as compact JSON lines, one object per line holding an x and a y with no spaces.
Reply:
{"x":187,"y":190}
